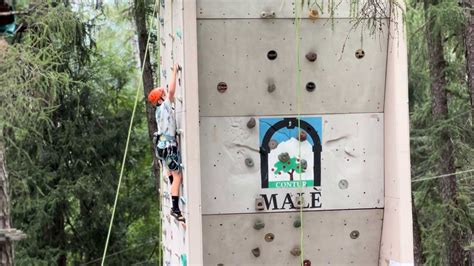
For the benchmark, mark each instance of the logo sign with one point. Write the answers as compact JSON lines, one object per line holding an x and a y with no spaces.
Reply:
{"x":290,"y":152}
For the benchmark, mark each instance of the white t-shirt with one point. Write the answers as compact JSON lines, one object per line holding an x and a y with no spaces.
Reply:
{"x":165,"y":119}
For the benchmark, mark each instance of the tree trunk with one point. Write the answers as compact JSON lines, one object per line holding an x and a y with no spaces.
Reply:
{"x":469,"y":47}
{"x":140,"y":21}
{"x":6,"y":247}
{"x":417,"y":248}
{"x":439,"y":97}
{"x":60,"y":235}
{"x":469,"y":50}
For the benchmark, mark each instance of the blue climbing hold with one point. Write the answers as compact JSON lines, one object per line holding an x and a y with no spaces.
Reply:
{"x":184,"y":260}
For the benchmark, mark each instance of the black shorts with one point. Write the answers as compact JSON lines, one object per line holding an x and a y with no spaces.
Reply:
{"x":170,"y":157}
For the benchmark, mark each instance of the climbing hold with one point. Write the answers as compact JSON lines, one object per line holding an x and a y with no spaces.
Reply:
{"x":265,"y":14}
{"x":271,"y":88}
{"x":251,"y":123}
{"x":303,"y":136}
{"x":256,"y":252}
{"x":310,"y":86}
{"x":259,"y":224}
{"x":311,"y":56}
{"x":306,"y":263}
{"x":343,"y":184}
{"x":249,"y":162}
{"x":259,"y":204}
{"x":162,"y":2}
{"x":272,"y":144}
{"x":304,"y":164}
{"x":355,"y":234}
{"x":182,"y":199}
{"x":221,"y":87}
{"x":178,"y":33}
{"x":295,"y":251}
{"x":297,"y":223}
{"x":269,"y":237}
{"x":313,"y":14}
{"x":284,"y":157}
{"x":184,"y":260}
{"x":359,"y":53}
{"x":220,"y":264}
{"x":162,"y":21}
{"x":272,"y":55}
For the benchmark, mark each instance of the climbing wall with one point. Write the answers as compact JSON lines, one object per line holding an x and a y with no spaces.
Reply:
{"x":174,"y":234}
{"x":258,"y":147}
{"x":257,"y":168}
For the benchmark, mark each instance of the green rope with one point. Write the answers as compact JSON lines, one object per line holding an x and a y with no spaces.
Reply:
{"x":298,"y":110}
{"x":126,"y":146}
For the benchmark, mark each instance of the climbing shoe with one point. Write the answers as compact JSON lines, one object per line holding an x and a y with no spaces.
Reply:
{"x":178,"y":216}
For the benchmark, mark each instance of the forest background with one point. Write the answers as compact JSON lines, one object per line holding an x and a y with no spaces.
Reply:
{"x":67,"y":87}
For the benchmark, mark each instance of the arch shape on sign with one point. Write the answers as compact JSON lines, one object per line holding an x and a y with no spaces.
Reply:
{"x":291,"y":123}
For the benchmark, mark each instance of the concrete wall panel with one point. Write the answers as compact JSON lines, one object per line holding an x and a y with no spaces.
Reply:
{"x":235,"y":52}
{"x":285,"y":8}
{"x":327,"y":238}
{"x":351,"y":165}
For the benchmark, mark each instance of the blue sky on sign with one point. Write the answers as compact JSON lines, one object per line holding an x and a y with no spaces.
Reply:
{"x":285,"y":134}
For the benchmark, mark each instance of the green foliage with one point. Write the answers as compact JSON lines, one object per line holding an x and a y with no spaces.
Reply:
{"x":291,"y":166}
{"x":437,"y":220}
{"x":67,"y":106}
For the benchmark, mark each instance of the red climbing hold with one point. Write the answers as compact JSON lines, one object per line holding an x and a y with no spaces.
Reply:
{"x":303,"y":136}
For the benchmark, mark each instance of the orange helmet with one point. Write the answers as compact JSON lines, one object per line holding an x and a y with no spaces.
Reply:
{"x":156,"y":94}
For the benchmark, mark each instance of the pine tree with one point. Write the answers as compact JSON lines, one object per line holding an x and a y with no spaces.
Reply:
{"x":64,"y":161}
{"x":141,"y":10}
{"x":441,"y":132}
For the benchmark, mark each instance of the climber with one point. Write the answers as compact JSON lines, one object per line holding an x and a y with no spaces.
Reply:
{"x":166,"y":144}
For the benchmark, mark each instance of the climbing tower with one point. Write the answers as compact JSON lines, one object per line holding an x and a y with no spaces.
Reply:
{"x":294,"y":130}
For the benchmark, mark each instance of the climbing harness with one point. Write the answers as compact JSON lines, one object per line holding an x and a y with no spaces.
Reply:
{"x":170,"y":156}
{"x":126,"y":145}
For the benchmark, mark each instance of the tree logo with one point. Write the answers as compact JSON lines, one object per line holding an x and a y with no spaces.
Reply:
{"x":288,"y":157}
{"x":289,"y":165}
